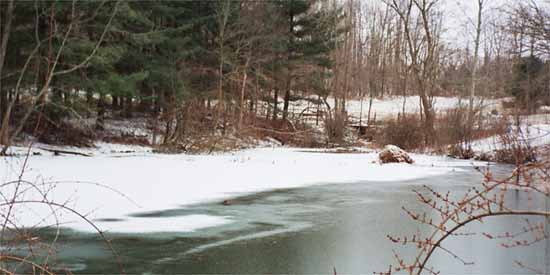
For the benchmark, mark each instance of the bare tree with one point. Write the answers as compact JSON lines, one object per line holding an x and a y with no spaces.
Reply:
{"x":21,"y":194}
{"x":422,"y":32}
{"x":489,"y":200}
{"x":478,"y":31}
{"x":537,"y":24}
{"x":222,"y":17}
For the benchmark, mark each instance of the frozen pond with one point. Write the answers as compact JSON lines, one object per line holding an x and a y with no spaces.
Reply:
{"x":305,"y":230}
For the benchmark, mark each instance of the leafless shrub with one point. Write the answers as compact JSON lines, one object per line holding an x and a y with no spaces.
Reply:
{"x":60,"y":132}
{"x":477,"y":204}
{"x":406,"y":132}
{"x":127,"y":138}
{"x":508,"y":104}
{"x":455,"y":133}
{"x":515,"y":148}
{"x":453,"y":127}
{"x":460,"y":151}
{"x":37,"y":257}
{"x":335,"y":127}
{"x":287,"y":133}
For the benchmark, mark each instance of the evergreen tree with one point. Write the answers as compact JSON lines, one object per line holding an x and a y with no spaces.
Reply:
{"x":528,"y":82}
{"x":101,"y":58}
{"x":311,"y":34}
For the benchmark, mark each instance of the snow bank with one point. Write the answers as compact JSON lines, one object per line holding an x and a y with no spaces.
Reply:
{"x":152,"y":182}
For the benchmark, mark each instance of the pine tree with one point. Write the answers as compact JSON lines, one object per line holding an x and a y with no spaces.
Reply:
{"x":528,"y":82}
{"x":311,"y":34}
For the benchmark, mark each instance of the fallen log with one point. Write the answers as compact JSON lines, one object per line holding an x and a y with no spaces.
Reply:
{"x":59,"y":152}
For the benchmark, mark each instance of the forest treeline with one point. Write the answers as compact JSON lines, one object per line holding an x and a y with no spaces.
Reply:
{"x":214,"y":68}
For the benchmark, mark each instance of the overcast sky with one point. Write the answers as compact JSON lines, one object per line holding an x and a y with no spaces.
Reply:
{"x":459,"y":14}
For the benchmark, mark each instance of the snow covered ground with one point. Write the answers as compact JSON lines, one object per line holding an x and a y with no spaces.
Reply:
{"x":388,"y":107}
{"x":146,"y":182}
{"x":534,"y":132}
{"x":532,"y":135}
{"x":120,"y":181}
{"x":392,"y":106}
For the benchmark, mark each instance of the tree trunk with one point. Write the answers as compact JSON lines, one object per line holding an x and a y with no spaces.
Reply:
{"x":220,"y":111}
{"x":429,"y":118}
{"x":288,"y":60}
{"x":128,"y":107}
{"x":241,"y":109}
{"x":4,"y":37}
{"x":115,"y":105}
{"x":286,"y":102}
{"x":275,"y":104}
{"x":100,"y":120}
{"x":474,"y":72}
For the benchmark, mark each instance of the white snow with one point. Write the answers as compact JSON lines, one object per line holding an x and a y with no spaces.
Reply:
{"x":154,"y":182}
{"x":176,"y":224}
{"x":531,"y":135}
{"x":101,"y":148}
{"x":384,"y":108}
{"x":391,"y":106}
{"x":534,"y":131}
